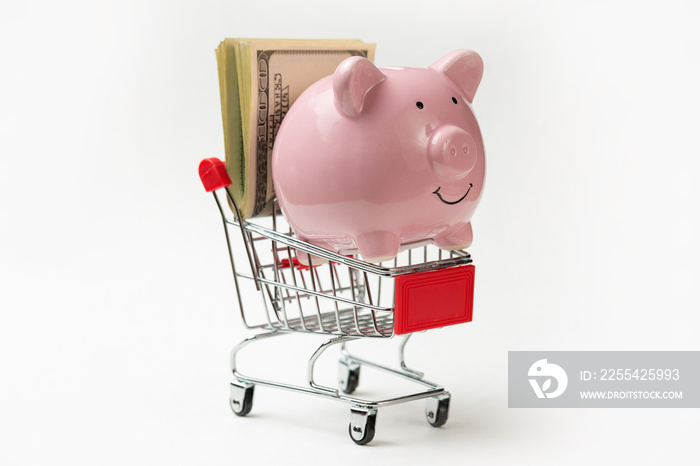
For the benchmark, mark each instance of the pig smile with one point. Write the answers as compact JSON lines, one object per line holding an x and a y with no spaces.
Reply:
{"x":437,"y":191}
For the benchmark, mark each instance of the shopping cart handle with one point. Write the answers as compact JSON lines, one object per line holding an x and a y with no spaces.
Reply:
{"x":213,"y":174}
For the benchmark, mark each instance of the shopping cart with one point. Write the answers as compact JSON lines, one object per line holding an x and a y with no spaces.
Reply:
{"x":344,"y":298}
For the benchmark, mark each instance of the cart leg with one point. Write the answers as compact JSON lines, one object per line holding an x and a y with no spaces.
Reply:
{"x":241,"y":399}
{"x":319,"y":351}
{"x":437,"y":408}
{"x":402,"y":358}
{"x":362,"y":422}
{"x":348,"y":375}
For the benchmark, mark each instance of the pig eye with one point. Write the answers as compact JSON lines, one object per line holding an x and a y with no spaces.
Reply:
{"x":454,"y":100}
{"x":419,"y":104}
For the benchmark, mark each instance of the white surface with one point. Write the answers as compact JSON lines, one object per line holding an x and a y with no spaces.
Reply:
{"x":116,"y":297}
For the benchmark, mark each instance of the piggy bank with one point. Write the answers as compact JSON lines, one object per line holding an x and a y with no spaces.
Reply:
{"x":380,"y":159}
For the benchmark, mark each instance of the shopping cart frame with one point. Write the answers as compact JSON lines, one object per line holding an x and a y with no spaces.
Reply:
{"x":366,"y":316}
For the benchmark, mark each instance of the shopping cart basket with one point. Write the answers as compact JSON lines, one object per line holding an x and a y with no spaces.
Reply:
{"x":345,"y":298}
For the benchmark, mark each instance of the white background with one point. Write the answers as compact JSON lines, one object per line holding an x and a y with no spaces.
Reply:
{"x":116,"y":297}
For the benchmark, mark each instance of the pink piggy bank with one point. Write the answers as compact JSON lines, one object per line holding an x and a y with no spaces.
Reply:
{"x":378,"y":159}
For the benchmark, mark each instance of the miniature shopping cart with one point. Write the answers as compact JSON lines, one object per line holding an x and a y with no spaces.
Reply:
{"x":344,"y":298}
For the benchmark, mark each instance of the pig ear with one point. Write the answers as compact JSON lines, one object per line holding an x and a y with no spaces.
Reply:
{"x":352,"y":80}
{"x":464,"y":68}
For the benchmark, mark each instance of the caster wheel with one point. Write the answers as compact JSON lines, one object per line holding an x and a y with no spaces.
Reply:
{"x":362,"y":422}
{"x":241,"y":399}
{"x":437,"y":409}
{"x":348,"y":376}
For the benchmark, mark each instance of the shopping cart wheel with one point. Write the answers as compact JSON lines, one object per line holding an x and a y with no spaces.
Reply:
{"x":241,"y":399}
{"x":437,"y":408}
{"x":348,"y":376}
{"x":361,"y":428}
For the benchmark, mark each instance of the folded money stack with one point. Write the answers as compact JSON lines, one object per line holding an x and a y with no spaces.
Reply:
{"x":259,"y":80}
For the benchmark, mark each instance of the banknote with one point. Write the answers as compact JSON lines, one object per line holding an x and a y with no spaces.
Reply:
{"x":259,"y":80}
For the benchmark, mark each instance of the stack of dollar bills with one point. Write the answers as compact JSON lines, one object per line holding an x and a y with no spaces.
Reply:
{"x":259,"y":80}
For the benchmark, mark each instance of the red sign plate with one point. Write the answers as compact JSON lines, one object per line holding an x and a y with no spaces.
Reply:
{"x":432,"y":299}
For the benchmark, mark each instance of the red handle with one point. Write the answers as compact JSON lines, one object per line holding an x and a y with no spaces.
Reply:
{"x":213,"y":174}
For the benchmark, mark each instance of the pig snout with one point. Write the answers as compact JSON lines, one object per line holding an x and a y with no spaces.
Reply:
{"x":452,"y":152}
